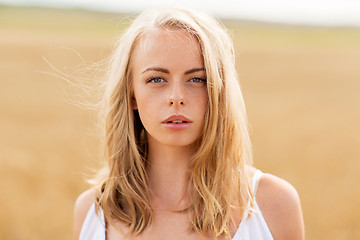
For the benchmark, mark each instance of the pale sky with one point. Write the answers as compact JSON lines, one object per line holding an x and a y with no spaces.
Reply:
{"x":318,"y":12}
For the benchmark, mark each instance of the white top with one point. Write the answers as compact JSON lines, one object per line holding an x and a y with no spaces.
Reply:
{"x":252,"y":228}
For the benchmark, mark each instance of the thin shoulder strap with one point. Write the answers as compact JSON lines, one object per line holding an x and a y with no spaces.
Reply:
{"x":256,"y":180}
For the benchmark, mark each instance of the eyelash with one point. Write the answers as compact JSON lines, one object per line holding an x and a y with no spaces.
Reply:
{"x":201,"y":79}
{"x":152,"y":80}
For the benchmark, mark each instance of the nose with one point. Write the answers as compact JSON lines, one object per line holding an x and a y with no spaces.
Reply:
{"x":176,"y":96}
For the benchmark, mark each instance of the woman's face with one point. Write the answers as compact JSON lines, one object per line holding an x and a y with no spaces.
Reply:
{"x":169,"y":84}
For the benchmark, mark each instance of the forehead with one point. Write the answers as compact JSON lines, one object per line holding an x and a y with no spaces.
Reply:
{"x":172,"y":46}
{"x":176,"y":37}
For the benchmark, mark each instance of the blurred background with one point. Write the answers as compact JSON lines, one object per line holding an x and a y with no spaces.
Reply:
{"x":299,"y":66}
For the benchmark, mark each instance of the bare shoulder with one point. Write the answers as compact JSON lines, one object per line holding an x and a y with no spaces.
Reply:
{"x":280,"y":205}
{"x":82,"y":206}
{"x":250,"y":171}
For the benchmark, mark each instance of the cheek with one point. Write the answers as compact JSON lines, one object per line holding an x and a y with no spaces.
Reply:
{"x":202,"y":101}
{"x":138,"y":96}
{"x":146,"y":105}
{"x":141,"y":102}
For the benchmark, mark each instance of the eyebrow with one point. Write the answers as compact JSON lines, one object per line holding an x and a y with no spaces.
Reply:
{"x":158,"y":69}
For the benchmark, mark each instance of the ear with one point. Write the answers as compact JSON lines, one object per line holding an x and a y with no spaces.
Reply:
{"x":133,"y":103}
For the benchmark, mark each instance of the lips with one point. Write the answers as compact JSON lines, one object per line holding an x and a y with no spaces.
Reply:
{"x":177,"y":119}
{"x":177,"y":122}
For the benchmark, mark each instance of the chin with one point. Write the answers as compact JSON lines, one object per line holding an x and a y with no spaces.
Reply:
{"x":178,"y":142}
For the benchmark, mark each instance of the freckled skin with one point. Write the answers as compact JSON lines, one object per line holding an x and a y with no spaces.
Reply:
{"x":159,"y":95}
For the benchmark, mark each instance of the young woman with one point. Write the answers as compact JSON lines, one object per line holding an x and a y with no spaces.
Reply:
{"x":177,"y":145}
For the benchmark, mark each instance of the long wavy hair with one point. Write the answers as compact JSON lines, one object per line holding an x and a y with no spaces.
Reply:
{"x":217,"y":168}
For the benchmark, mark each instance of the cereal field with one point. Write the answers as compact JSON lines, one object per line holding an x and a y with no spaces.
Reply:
{"x":301,"y":87}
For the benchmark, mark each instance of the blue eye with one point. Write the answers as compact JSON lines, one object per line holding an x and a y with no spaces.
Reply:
{"x":198,"y":80}
{"x":156,"y":80}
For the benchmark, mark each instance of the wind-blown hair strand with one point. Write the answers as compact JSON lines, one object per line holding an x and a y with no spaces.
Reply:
{"x":224,"y":150}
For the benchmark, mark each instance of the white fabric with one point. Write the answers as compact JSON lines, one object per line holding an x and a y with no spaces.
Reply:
{"x":94,"y":225}
{"x":252,"y":228}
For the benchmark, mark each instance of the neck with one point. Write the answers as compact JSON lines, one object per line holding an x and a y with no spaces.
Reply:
{"x":169,"y":174}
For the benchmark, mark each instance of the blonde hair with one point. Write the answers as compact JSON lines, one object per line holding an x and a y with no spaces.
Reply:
{"x":218,"y":166}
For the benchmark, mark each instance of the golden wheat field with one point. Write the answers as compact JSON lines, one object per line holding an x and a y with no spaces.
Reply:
{"x":301,"y":87}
